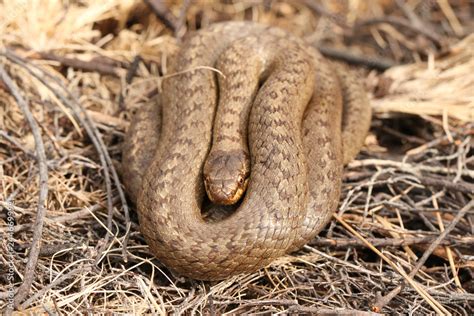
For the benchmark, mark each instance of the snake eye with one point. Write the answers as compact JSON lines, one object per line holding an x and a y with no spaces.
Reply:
{"x":241,"y":180}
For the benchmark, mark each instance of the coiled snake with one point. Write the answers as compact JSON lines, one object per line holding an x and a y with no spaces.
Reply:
{"x":301,"y":118}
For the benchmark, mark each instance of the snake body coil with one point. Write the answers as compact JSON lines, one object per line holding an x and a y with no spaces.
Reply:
{"x":287,"y":103}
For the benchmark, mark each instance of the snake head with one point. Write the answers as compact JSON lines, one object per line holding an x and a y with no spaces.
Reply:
{"x":226,"y":175}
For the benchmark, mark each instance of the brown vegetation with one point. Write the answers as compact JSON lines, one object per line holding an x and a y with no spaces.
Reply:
{"x":72,"y":73}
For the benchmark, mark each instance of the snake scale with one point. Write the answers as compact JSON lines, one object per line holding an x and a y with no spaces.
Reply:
{"x":298,"y":118}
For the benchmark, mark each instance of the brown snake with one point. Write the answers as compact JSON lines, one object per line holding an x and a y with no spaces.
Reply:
{"x":294,"y":109}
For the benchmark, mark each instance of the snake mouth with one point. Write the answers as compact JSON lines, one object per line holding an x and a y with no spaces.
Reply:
{"x":221,"y":195}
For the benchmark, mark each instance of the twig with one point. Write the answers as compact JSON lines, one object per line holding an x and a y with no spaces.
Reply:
{"x":92,"y":65}
{"x":181,"y":21}
{"x":441,"y":236}
{"x":29,"y":273}
{"x":407,"y":167}
{"x":90,"y":129}
{"x":70,"y":217}
{"x":448,"y":185}
{"x":15,"y":142}
{"x":163,"y":13}
{"x":351,"y":58}
{"x":452,"y":19}
{"x":447,"y":249}
{"x":259,"y":302}
{"x":329,"y":312}
{"x":321,"y":10}
{"x":341,"y":262}
{"x":426,"y":296}
{"x":444,"y":139}
{"x":413,"y":17}
{"x":94,"y":135}
{"x":58,"y":280}
{"x":400,"y":22}
{"x":389,"y":242}
{"x":84,"y":212}
{"x":381,"y":302}
{"x":131,"y":72}
{"x":408,"y":138}
{"x":96,"y":139}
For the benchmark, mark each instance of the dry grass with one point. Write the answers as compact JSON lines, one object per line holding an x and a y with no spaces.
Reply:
{"x":402,"y":239}
{"x":440,"y":88}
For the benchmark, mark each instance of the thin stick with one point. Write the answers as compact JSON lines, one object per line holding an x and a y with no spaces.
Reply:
{"x":321,"y":10}
{"x":370,"y":62}
{"x":407,"y":167}
{"x":452,"y":18}
{"x":400,"y":22}
{"x":16,"y":59}
{"x":58,"y":280}
{"x":94,"y":66}
{"x":449,"y":253}
{"x":181,"y":20}
{"x":93,"y":133}
{"x":389,"y":242}
{"x":308,"y":310}
{"x":418,"y":150}
{"x":383,"y":300}
{"x":417,"y":287}
{"x":441,"y":236}
{"x":463,"y":187}
{"x":163,"y":13}
{"x":15,"y":142}
{"x":29,"y":273}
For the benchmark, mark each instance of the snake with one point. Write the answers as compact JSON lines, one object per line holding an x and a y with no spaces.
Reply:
{"x":251,"y":116}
